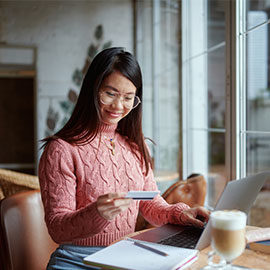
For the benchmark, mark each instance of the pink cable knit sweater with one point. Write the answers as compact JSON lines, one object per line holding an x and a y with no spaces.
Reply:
{"x":72,"y":177}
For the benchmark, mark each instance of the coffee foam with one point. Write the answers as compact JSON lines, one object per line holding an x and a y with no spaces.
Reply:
{"x":228,"y":220}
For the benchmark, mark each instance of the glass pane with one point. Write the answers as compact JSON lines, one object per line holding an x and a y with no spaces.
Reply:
{"x":216,"y":22}
{"x":216,"y":171}
{"x":157,"y":50}
{"x":216,"y":152}
{"x":207,"y":90}
{"x":207,"y":156}
{"x":205,"y":25}
{"x":197,"y":152}
{"x":256,"y":144}
{"x":197,"y":93}
{"x":216,"y":88}
{"x":167,"y":78}
{"x":169,"y":132}
{"x":194,"y":28}
{"x":258,"y":153}
{"x":257,"y":12}
{"x":258,"y":80}
{"x":204,"y":88}
{"x":258,"y":160}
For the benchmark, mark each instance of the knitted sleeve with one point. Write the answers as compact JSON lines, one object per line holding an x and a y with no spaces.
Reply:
{"x":157,"y":211}
{"x":58,"y":190}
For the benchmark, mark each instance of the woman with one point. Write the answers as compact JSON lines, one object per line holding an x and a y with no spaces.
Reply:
{"x":87,"y":167}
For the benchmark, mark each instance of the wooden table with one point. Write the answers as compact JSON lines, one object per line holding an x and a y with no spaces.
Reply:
{"x":250,"y":258}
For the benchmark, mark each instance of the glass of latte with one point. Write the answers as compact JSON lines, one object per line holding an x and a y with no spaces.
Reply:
{"x":228,"y":236}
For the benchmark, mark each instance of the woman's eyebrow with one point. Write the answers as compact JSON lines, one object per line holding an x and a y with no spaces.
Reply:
{"x":111,"y":87}
{"x":116,"y":90}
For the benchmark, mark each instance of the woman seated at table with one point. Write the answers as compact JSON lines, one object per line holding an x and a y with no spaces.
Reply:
{"x":88,"y":166}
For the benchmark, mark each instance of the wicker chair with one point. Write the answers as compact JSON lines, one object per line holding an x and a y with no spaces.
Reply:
{"x":12,"y":182}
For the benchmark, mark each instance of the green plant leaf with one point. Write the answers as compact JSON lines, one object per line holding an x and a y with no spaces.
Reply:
{"x":92,"y":51}
{"x":99,"y":32}
{"x":72,"y":96}
{"x":77,"y":77}
{"x":107,"y":45}
{"x":65,"y":105}
{"x":51,"y":123}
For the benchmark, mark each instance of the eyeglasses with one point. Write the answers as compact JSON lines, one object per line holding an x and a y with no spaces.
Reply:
{"x":128,"y":101}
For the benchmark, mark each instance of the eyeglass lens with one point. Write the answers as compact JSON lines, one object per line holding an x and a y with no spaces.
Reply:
{"x":128,"y":102}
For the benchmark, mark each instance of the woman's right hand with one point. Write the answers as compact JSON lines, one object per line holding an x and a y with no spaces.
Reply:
{"x":112,"y":204}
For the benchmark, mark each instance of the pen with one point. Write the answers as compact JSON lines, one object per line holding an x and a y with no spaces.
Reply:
{"x":149,"y":248}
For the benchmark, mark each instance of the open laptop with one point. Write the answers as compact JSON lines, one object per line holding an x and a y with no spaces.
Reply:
{"x":239,"y":194}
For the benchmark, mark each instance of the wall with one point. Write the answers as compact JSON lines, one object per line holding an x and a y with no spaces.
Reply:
{"x":62,"y":32}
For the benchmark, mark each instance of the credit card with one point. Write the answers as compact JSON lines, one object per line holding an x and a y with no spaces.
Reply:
{"x":142,"y":195}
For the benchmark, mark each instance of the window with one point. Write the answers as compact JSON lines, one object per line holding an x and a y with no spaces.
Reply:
{"x":204,"y":92}
{"x":226,"y":93}
{"x":157,"y":50}
{"x":255,"y":87}
{"x":223,"y":87}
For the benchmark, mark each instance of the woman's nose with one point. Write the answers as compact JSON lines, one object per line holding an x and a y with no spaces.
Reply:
{"x":118,"y":103}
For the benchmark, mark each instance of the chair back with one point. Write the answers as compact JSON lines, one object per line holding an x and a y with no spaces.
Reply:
{"x":191,"y":192}
{"x":25,"y":242}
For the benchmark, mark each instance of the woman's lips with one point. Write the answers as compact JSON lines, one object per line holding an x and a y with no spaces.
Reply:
{"x":113,"y":114}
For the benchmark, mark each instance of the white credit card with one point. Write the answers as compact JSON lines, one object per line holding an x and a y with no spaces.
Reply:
{"x":142,"y":195}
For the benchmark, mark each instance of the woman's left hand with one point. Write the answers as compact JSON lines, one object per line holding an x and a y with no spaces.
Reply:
{"x":195,"y":216}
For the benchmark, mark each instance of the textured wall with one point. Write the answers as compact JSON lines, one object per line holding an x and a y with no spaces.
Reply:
{"x":62,"y":32}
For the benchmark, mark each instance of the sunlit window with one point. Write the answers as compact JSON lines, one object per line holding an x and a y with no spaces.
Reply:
{"x":204,"y":92}
{"x":157,"y":50}
{"x":215,"y":115}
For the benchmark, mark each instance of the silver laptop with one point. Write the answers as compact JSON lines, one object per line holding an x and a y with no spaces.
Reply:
{"x":239,"y":194}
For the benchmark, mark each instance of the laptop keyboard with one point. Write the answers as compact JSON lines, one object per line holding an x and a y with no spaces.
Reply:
{"x":188,"y":238}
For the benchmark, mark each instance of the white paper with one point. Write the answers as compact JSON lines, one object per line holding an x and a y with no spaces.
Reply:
{"x":125,"y":255}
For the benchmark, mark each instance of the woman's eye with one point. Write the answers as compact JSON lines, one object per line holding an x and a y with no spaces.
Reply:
{"x":128,"y":98}
{"x":110,"y":94}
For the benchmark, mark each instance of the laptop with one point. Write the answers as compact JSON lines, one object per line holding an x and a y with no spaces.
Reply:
{"x":239,"y":194}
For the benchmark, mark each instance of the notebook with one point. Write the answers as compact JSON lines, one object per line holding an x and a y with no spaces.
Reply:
{"x":239,"y":194}
{"x":263,"y":246}
{"x":125,"y":255}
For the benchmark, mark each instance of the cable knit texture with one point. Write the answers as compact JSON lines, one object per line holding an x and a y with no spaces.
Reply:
{"x":72,"y":177}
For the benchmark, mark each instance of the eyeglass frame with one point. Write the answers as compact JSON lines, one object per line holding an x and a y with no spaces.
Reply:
{"x":117,"y":97}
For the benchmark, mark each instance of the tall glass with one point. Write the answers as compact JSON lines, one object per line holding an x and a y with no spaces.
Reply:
{"x":228,"y":237}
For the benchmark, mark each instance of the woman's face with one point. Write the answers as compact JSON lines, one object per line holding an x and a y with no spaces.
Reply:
{"x":116,"y":96}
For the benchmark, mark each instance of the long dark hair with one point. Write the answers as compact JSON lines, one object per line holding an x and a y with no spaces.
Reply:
{"x":84,"y":122}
